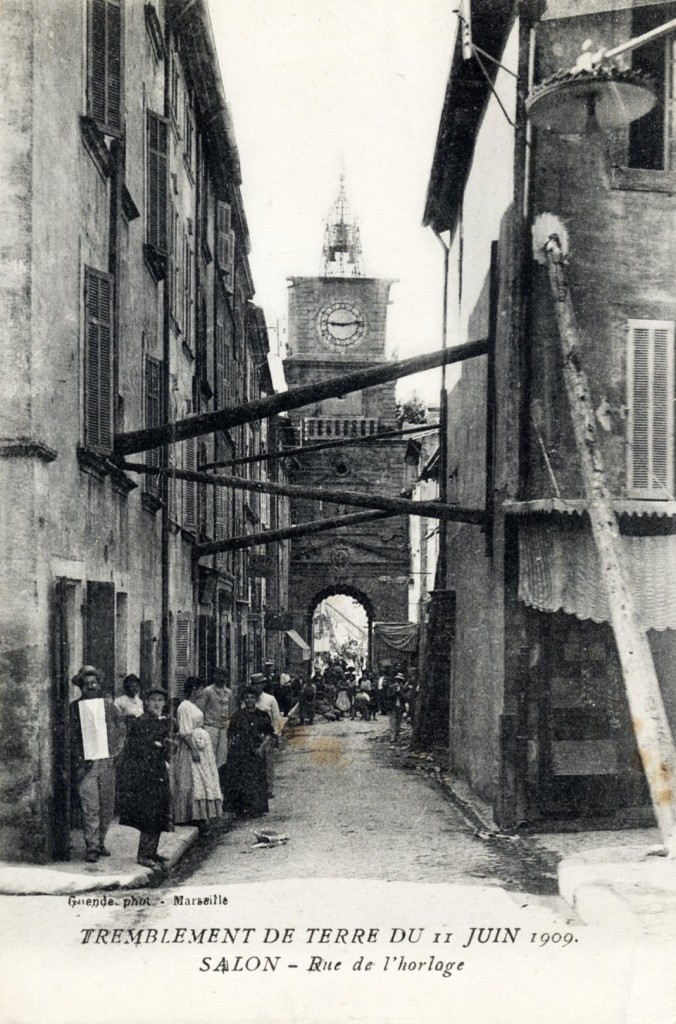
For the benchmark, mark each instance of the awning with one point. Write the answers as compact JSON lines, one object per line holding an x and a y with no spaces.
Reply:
{"x":402,"y":636}
{"x":559,"y":571}
{"x":298,"y":640}
{"x":578,"y":507}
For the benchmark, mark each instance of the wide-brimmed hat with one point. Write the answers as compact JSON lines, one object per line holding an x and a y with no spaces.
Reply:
{"x":257,"y":677}
{"x":399,"y":675}
{"x":87,"y":670}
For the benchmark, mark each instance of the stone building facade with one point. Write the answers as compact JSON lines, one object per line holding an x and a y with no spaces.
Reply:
{"x":126,"y":302}
{"x":540,"y":725}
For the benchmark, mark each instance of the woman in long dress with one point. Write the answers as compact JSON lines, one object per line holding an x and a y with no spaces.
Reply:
{"x":343,"y":703}
{"x":145,"y":802}
{"x":246,"y":786}
{"x":197,"y":791}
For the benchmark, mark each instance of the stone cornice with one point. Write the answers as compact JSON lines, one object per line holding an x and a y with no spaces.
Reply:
{"x":26,"y":448}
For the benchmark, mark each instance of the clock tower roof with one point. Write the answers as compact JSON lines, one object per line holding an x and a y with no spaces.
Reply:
{"x":341,"y":253}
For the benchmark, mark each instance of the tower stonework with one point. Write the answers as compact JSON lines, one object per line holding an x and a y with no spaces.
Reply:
{"x":337,"y":324}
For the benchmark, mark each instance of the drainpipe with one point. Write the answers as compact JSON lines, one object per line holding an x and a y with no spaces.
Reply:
{"x":165,"y":482}
{"x":442,"y":565}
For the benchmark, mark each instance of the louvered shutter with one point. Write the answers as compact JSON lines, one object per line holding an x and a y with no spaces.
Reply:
{"x":230,"y":271}
{"x":189,"y":487}
{"x":98,"y":370}
{"x":187,"y":289}
{"x":183,"y":651}
{"x":153,"y":413}
{"x":228,"y":376}
{"x":174,"y":260}
{"x":104,"y":63}
{"x":220,"y":366}
{"x":223,"y":223}
{"x":157,"y":182}
{"x":171,"y":488}
{"x":650,"y":398}
{"x":221,"y":523}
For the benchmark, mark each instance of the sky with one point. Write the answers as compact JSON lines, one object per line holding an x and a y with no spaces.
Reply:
{"x":320,"y":87}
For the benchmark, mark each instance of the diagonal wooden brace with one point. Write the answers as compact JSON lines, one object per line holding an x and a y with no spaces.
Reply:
{"x":648,"y":715}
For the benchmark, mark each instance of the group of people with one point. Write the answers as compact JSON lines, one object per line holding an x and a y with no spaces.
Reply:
{"x":163,"y":766}
{"x":336,"y":685}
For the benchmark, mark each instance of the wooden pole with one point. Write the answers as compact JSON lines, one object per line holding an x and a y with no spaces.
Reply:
{"x":308,"y":449}
{"x":653,"y":735}
{"x":401,"y":506}
{"x":289,"y":532}
{"x":335,"y":387}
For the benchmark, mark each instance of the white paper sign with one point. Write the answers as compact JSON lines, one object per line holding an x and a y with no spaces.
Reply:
{"x":94,"y":732}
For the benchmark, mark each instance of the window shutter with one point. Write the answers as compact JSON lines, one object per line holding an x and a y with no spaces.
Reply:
{"x":153,"y":413}
{"x":113,"y":90}
{"x":650,"y":398}
{"x":230,"y":274}
{"x":183,"y":646}
{"x":187,"y":289}
{"x":174,"y":260}
{"x":221,"y":520}
{"x":189,"y":492}
{"x":223,"y":226}
{"x":104,"y":63}
{"x":98,"y":369}
{"x":157,"y":182}
{"x":220,"y":366}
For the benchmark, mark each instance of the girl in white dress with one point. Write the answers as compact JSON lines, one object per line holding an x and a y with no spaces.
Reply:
{"x":197,"y":791}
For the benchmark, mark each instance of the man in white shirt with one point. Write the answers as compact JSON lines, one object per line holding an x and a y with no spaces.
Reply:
{"x":266,"y":702}
{"x":96,"y":738}
{"x":215,"y":702}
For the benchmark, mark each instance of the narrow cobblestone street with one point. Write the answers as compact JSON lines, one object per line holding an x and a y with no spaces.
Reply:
{"x":353,"y":807}
{"x":384,"y":906}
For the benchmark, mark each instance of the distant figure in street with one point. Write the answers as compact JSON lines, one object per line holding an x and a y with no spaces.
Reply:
{"x":145,"y":798}
{"x":271,"y":684}
{"x":97,"y":736}
{"x":286,"y":697}
{"x":266,"y":702}
{"x":215,"y":701}
{"x":396,"y":705}
{"x":197,"y":790}
{"x":362,"y":704}
{"x":307,"y":702}
{"x":249,"y":737}
{"x":343,"y":702}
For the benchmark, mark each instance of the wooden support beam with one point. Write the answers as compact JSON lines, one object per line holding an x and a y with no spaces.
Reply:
{"x":251,"y":412}
{"x":400,"y":506}
{"x":308,"y":449}
{"x":648,"y":715}
{"x":289,"y":532}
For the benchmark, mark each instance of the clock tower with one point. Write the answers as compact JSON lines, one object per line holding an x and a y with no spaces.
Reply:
{"x":337,"y":324}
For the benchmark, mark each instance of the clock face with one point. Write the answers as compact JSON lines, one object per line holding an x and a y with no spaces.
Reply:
{"x":341,"y":325}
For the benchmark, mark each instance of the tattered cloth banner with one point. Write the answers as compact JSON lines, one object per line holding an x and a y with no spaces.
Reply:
{"x":559,"y":571}
{"x":402,"y":636}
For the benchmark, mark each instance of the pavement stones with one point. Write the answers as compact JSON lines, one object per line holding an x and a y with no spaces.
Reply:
{"x":119,"y":871}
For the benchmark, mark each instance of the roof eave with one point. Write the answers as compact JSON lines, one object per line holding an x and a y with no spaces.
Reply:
{"x":467,"y":94}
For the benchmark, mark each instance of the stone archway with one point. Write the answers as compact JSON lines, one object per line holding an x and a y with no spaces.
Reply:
{"x":349,"y":591}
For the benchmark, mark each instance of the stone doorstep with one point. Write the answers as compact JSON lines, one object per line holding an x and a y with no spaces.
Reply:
{"x":119,"y":871}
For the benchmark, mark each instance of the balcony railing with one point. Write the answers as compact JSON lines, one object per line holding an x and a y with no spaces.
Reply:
{"x":321,"y":427}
